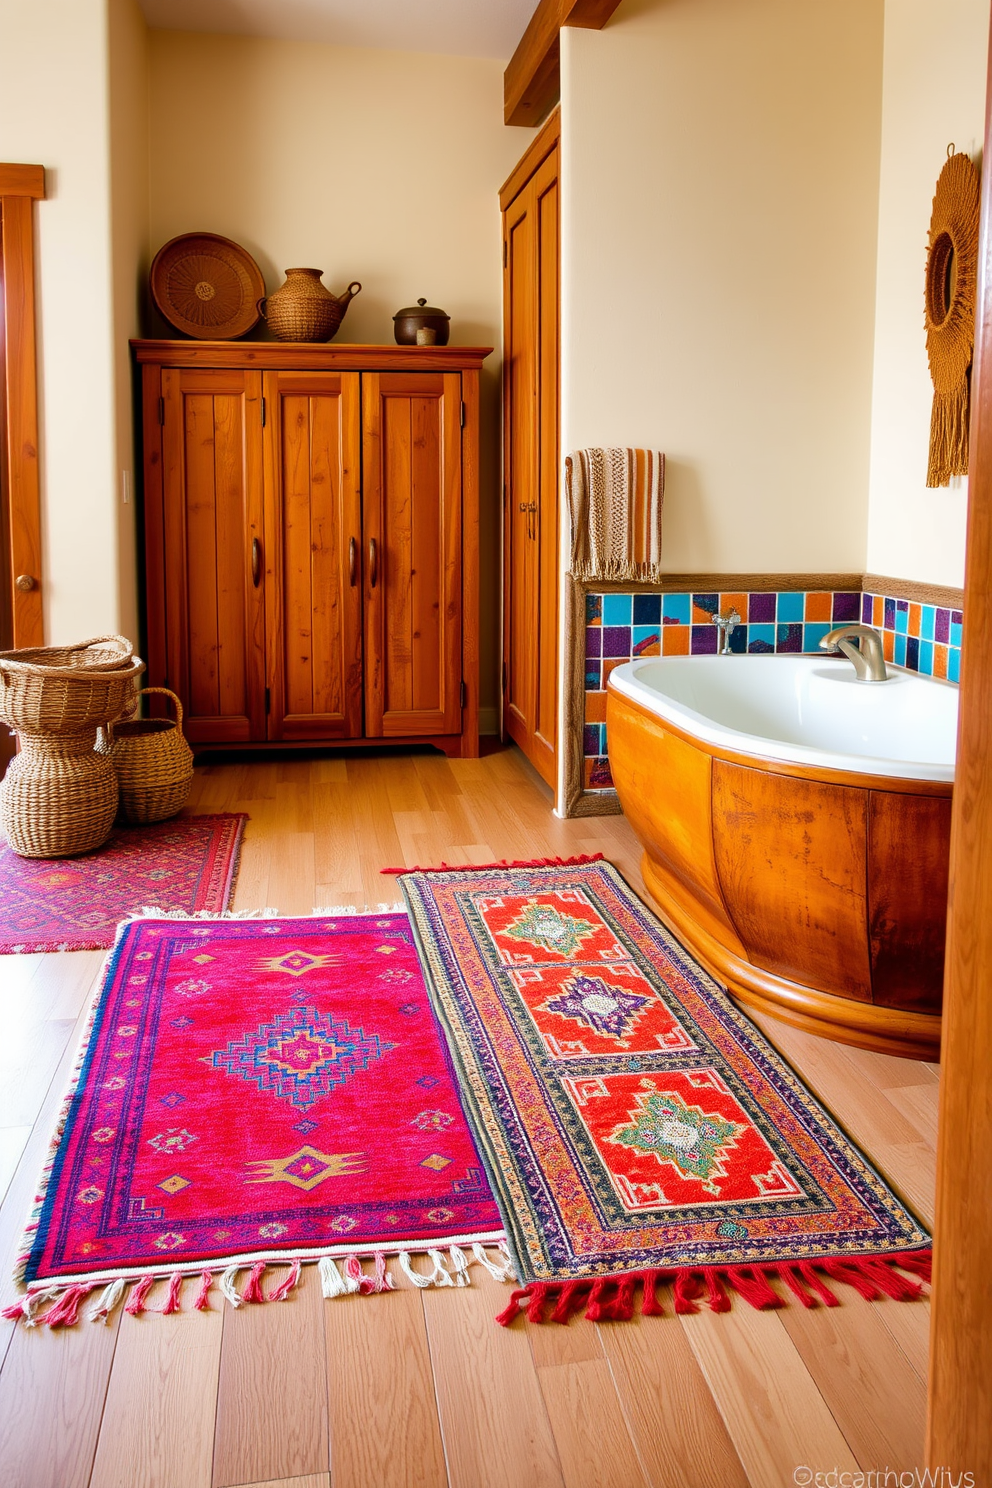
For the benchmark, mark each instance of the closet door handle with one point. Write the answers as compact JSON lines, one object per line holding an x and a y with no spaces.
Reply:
{"x":352,"y":562}
{"x":373,"y":563}
{"x":256,"y":562}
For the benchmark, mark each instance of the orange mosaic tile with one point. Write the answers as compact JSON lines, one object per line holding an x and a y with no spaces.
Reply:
{"x":915,"y":611}
{"x":610,"y":664}
{"x":675,"y":639}
{"x":819,"y":606}
{"x":595,"y":707}
{"x":878,"y":611}
{"x":889,"y":644}
{"x":736,"y":602}
{"x":940,"y":661}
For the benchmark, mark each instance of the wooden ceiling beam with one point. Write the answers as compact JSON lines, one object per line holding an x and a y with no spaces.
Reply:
{"x":22,"y":180}
{"x":532,"y":80}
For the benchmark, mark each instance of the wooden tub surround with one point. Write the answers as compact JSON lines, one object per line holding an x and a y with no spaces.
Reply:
{"x":815,"y":895}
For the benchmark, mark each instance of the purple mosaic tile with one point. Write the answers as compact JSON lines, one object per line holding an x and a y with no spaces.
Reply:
{"x":594,"y":640}
{"x":703,"y":640}
{"x":846,"y":608}
{"x":616,"y":640}
{"x":890,"y":614}
{"x":902,"y":605}
{"x":866,"y":609}
{"x":941,"y":625}
{"x":761,"y":609}
{"x":600,"y":777}
{"x":790,"y":638}
{"x":956,"y":617}
{"x":913,"y":653}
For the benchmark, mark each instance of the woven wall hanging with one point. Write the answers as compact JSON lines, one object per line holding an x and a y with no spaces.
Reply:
{"x":952,"y":269}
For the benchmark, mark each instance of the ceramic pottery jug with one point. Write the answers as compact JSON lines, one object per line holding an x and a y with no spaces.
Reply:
{"x":421,"y":317}
{"x":303,"y":310}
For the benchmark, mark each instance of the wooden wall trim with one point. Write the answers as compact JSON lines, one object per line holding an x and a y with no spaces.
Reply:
{"x":531,"y":82}
{"x":23,"y":180}
{"x":935,"y":594}
{"x":20,"y":392}
{"x":295,"y":356}
{"x":728,"y":583}
{"x":958,"y":1434}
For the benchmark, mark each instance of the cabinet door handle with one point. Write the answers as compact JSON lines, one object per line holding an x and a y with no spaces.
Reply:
{"x":256,"y":562}
{"x":373,"y":563}
{"x":352,"y":561}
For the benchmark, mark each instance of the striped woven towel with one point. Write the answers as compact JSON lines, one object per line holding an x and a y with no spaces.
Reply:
{"x":615,"y":497}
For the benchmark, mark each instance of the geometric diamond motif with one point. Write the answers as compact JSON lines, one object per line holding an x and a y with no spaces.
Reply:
{"x":175,"y":1184}
{"x":544,"y":926}
{"x":693,"y":1141}
{"x":606,"y":1009}
{"x":301,"y":1055}
{"x":436,"y":1162}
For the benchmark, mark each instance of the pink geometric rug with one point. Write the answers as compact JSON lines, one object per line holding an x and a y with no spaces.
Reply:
{"x":75,"y":904}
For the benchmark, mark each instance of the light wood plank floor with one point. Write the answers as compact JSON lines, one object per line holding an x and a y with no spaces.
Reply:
{"x":422,"y":1390}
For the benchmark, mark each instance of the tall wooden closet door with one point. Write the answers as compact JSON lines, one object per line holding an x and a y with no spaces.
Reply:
{"x":411,"y":476}
{"x":212,"y":516}
{"x":531,"y":460}
{"x":313,"y":554}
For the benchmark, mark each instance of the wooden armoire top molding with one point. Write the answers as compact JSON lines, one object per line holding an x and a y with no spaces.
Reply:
{"x":308,"y":356}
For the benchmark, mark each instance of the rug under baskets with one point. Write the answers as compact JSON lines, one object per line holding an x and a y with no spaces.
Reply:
{"x":75,"y":904}
{"x":252,"y":1091}
{"x":634,"y":1124}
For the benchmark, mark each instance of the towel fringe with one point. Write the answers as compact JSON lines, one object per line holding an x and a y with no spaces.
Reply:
{"x":612,"y":1298}
{"x":574,"y":862}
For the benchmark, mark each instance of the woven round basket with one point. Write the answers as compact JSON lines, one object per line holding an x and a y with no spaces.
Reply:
{"x":63,"y":698}
{"x":58,"y":797}
{"x":152,"y":761}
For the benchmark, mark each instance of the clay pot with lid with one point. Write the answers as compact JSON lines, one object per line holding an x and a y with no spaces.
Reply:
{"x":303,"y":310}
{"x":421,"y":317}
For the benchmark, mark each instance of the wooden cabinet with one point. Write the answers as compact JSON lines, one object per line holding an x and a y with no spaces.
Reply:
{"x":530,"y":452}
{"x":311,"y":525}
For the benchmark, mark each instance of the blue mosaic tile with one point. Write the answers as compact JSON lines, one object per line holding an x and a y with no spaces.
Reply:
{"x":617,"y":609}
{"x":902,"y":620}
{"x":708,"y":603}
{"x":616,"y":638}
{"x":926,"y":658}
{"x":900,"y":653}
{"x":913,"y":653}
{"x":889,"y":623}
{"x":647,"y":609}
{"x":846,"y":608}
{"x":593,"y":674}
{"x":954,"y":665}
{"x":790,"y":637}
{"x":677,"y":609}
{"x":644,"y":637}
{"x":594,"y":609}
{"x":813,"y":634}
{"x":955,"y":635}
{"x":927,"y":615}
{"x":738,"y":641}
{"x":594,"y":640}
{"x":702,"y":641}
{"x":791,"y":608}
{"x":761,"y":638}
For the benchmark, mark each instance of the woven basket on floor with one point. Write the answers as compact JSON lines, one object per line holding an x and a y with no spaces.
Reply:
{"x":39,"y":695}
{"x":153,"y":762}
{"x":58,"y":797}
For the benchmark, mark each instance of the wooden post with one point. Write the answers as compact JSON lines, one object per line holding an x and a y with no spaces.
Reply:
{"x":959,"y":1428}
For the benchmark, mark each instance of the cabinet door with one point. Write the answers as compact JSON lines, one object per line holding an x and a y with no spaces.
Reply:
{"x":411,"y":507}
{"x":530,"y":400}
{"x":212,"y":513}
{"x":313,"y":548}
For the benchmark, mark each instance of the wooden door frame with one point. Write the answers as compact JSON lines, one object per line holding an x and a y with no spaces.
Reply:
{"x":20,"y":187}
{"x":959,"y":1425}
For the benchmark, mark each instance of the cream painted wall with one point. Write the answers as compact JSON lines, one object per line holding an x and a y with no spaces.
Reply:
{"x":720,"y":179}
{"x":377,"y":166}
{"x":54,"y":111}
{"x":128,"y":92}
{"x":933,"y":94}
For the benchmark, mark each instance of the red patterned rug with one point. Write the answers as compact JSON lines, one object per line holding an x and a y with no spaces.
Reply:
{"x":252,"y":1091}
{"x":635,"y":1126}
{"x":76,"y":904}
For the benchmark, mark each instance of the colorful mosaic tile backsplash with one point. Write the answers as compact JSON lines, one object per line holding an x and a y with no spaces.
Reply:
{"x":620,"y":627}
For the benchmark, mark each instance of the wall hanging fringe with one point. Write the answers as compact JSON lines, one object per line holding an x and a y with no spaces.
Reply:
{"x":949,"y":313}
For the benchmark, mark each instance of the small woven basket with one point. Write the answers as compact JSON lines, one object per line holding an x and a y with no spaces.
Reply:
{"x":58,"y":797}
{"x":60,"y":690}
{"x":152,"y":761}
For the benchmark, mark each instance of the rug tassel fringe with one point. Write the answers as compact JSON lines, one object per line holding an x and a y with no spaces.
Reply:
{"x":110,"y":1299}
{"x":200,"y":1302}
{"x":575,"y":862}
{"x":331,"y":1280}
{"x":501,"y":1270}
{"x":611,"y":1298}
{"x":228,"y":1287}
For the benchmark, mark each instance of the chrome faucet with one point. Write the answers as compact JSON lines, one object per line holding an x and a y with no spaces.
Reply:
{"x":726,"y":625}
{"x":867,"y":656}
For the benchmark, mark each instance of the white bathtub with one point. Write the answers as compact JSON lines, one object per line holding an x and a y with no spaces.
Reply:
{"x":809,"y":710}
